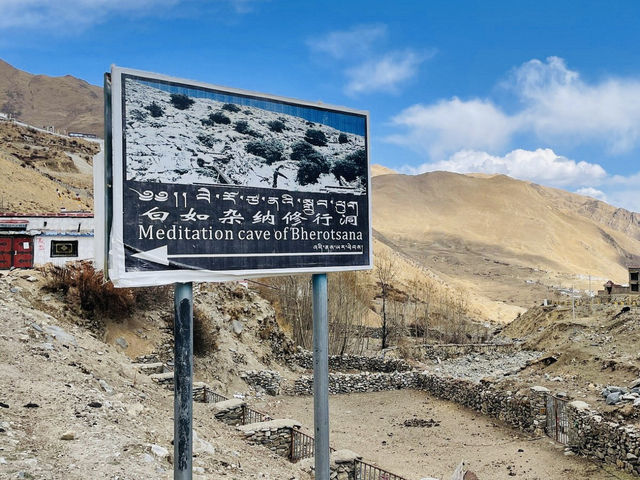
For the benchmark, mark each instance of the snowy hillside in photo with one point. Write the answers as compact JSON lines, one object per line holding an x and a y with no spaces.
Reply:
{"x":175,"y":138}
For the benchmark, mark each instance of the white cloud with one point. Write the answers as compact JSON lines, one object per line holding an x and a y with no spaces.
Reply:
{"x":383,"y":74}
{"x":592,"y":192}
{"x":51,"y":14}
{"x":558,"y":104}
{"x":540,"y":166}
{"x":450,"y":125}
{"x":367,"y":66}
{"x":355,"y":42}
{"x":555,"y":104}
{"x":628,"y":199}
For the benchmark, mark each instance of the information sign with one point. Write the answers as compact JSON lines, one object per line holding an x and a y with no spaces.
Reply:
{"x":214,"y":184}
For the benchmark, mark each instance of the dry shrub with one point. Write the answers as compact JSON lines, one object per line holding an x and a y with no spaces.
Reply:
{"x":205,"y":334}
{"x":86,"y":288}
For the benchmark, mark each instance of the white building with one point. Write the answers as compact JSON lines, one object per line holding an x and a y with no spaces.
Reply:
{"x":32,"y":240}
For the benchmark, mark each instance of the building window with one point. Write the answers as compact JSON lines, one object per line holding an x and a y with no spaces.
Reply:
{"x":634,"y":276}
{"x":65,"y":248}
{"x":634,"y":287}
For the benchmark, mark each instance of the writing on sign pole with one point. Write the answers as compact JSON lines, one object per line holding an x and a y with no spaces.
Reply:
{"x":212,"y":183}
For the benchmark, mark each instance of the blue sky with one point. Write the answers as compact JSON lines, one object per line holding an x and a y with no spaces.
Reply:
{"x":539,"y":90}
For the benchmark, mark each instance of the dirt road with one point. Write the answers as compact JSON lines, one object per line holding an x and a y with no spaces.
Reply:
{"x":372,"y":424}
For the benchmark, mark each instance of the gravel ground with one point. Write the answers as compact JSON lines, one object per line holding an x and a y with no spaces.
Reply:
{"x":478,"y":366}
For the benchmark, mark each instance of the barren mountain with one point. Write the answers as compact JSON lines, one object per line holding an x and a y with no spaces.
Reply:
{"x":511,"y":242}
{"x":66,"y":103}
{"x":42,"y":172}
{"x":377,"y":169}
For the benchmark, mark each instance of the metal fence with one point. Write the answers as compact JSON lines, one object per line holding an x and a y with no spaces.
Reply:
{"x":249,"y":415}
{"x":302,"y":445}
{"x":366,"y":471}
{"x":212,"y":397}
{"x":557,"y":419}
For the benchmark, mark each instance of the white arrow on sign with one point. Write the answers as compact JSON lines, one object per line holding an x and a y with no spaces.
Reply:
{"x":161,"y":255}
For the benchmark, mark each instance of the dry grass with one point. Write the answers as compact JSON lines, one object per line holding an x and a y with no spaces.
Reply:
{"x":86,"y":290}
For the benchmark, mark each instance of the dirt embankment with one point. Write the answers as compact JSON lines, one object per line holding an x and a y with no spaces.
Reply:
{"x":72,"y":406}
{"x":585,"y":351}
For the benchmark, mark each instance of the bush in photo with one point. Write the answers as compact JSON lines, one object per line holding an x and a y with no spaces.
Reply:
{"x":276,"y":126}
{"x":311,"y":167}
{"x":216,"y":117}
{"x":301,"y":150}
{"x":181,"y":101}
{"x":316,"y":137}
{"x":242,"y":126}
{"x":351,"y":167}
{"x":231,"y":107}
{"x":308,"y":172}
{"x":270,"y":150}
{"x":155,"y":110}
{"x":342,"y":138}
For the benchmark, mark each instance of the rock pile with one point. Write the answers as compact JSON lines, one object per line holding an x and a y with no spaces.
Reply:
{"x":616,"y":395}
{"x":475,"y":367}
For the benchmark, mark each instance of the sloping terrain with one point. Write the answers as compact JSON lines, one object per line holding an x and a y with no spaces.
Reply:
{"x":43,"y":172}
{"x":377,"y":169}
{"x":66,"y":103}
{"x":584,"y":352}
{"x":511,"y":242}
{"x":74,"y":407}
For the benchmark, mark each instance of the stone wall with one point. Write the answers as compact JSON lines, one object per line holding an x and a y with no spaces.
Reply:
{"x":602,"y":298}
{"x":274,"y":435}
{"x":453,"y":350}
{"x":269,"y":380}
{"x":524,"y":409}
{"x":593,"y":436}
{"x":347,"y":363}
{"x":589,"y":433}
{"x":358,"y":382}
{"x":230,"y":412}
{"x":342,"y":464}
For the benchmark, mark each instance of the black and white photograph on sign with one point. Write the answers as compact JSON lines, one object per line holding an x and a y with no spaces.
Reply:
{"x":177,"y":135}
{"x":236,"y":183}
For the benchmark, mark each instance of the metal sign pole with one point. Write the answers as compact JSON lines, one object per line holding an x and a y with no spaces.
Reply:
{"x":321,"y":376}
{"x":183,"y":382}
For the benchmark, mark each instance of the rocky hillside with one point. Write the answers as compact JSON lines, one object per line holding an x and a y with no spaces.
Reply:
{"x":43,"y":172}
{"x":85,"y":411}
{"x":66,"y":103}
{"x":585,"y":350}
